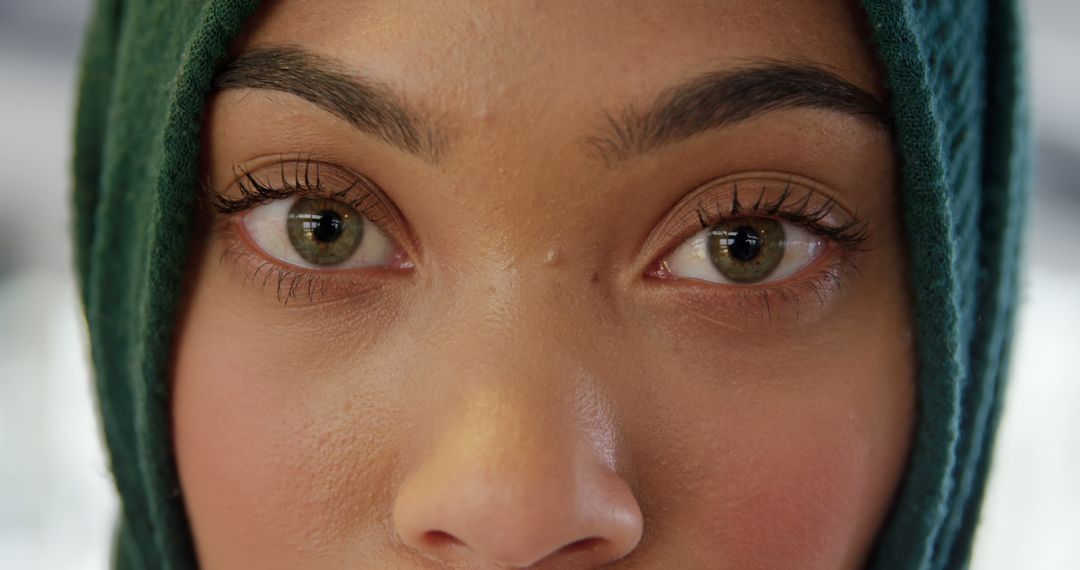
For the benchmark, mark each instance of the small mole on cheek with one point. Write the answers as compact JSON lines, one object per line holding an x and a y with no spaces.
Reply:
{"x":595,"y":277}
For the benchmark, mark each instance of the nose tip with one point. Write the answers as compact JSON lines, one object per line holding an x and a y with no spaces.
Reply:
{"x":572,"y":521}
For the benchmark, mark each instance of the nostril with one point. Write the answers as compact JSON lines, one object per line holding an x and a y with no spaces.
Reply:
{"x":439,"y":539}
{"x":469,"y":512}
{"x":590,"y":544}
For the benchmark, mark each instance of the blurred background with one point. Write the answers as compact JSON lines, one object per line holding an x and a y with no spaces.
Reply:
{"x":57,"y":503}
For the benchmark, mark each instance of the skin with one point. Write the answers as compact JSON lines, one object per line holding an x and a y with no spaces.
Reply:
{"x":527,"y":396}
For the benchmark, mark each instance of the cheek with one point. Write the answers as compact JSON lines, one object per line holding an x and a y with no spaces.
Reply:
{"x":779,"y":460}
{"x":274,"y":460}
{"x":784,"y":452}
{"x":796,"y":501}
{"x":755,"y":488}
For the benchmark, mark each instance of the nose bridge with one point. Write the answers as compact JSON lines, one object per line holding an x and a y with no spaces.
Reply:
{"x":512,"y":391}
{"x":512,"y":424}
{"x":521,"y":338}
{"x":516,"y":462}
{"x":517,"y":358}
{"x":517,"y":317}
{"x":499,"y":451}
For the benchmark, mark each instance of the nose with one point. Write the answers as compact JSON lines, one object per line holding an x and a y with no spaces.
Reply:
{"x":511,"y":486}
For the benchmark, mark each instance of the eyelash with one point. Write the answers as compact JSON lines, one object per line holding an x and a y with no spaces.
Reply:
{"x":813,"y":285}
{"x":851,"y":234}
{"x":819,"y":282}
{"x":254,"y":193}
{"x":303,"y":179}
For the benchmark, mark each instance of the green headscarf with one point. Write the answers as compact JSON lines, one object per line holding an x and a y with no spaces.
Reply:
{"x":954,"y":69}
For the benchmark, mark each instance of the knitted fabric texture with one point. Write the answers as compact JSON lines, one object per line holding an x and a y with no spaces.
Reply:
{"x":954,"y":71}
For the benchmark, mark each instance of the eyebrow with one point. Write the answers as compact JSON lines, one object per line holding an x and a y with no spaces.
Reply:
{"x":709,"y":101}
{"x":370,"y":106}
{"x":723,"y":98}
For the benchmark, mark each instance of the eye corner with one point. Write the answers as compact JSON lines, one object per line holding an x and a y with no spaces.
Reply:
{"x":802,"y":207}
{"x":659,"y":270}
{"x":261,"y":229}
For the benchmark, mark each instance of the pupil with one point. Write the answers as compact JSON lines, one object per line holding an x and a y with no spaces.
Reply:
{"x":327,"y":226}
{"x":744,"y":243}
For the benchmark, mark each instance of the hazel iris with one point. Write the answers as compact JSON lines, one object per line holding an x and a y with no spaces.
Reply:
{"x":324,"y":232}
{"x":746,"y":250}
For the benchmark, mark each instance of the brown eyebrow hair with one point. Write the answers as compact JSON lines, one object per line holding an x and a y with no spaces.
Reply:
{"x":722,"y":98}
{"x":710,"y":101}
{"x":369,"y":106}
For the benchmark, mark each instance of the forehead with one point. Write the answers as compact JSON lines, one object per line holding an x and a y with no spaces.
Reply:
{"x":477,"y":59}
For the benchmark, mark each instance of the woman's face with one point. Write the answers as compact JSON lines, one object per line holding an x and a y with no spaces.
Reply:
{"x":546,"y":284}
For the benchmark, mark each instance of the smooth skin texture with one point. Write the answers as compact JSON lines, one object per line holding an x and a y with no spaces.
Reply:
{"x":530,"y":394}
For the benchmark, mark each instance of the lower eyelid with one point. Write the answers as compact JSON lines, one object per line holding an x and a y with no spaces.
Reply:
{"x":288,"y":285}
{"x":264,"y":230}
{"x":795,"y":302}
{"x":690,"y":259}
{"x":775,"y":195}
{"x":288,"y":176}
{"x":800,"y":299}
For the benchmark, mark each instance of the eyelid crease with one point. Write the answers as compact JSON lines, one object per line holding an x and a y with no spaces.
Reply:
{"x":850,"y":234}
{"x":254,"y":192}
{"x":304,"y":176}
{"x":774,"y":195}
{"x":796,"y":300}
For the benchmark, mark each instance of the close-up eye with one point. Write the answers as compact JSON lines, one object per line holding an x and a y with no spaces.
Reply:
{"x":319,"y":233}
{"x":744,"y":251}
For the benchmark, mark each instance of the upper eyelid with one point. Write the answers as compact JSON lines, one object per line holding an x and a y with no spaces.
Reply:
{"x":712,"y":201}
{"x":294,"y":175}
{"x":850,"y":233}
{"x":291,"y":181}
{"x":797,"y":192}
